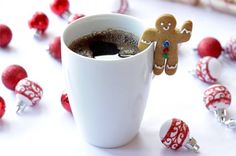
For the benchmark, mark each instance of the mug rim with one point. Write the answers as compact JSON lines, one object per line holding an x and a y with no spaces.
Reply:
{"x":105,"y":60}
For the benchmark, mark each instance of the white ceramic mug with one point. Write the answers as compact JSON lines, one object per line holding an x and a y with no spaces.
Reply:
{"x":107,"y":97}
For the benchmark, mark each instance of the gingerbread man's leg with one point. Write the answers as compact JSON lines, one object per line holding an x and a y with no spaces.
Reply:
{"x":171,"y":63}
{"x":159,"y":62}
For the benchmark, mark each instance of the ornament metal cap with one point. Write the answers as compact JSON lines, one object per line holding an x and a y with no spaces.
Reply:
{"x":231,"y":123}
{"x":192,"y":145}
{"x":221,"y":115}
{"x":66,"y":14}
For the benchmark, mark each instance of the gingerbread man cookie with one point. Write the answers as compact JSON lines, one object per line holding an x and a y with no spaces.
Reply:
{"x":167,"y":38}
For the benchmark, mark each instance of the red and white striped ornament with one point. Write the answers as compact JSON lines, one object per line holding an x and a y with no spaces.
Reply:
{"x":230,"y":48}
{"x":28,"y":93}
{"x":208,"y":69}
{"x":174,"y":134}
{"x":217,"y":97}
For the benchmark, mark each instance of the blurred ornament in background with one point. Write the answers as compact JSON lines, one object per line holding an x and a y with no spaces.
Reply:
{"x":61,"y":8}
{"x":39,"y":22}
{"x":28,"y":93}
{"x":208,"y":69}
{"x":5,"y":35}
{"x":55,"y":48}
{"x":230,"y":48}
{"x":12,"y":75}
{"x":74,"y":17}
{"x":2,"y":107}
{"x":123,"y":6}
{"x":191,"y":2}
{"x":65,"y":102}
{"x":174,"y":134}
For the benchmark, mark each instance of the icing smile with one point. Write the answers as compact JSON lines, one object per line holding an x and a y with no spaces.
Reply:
{"x":165,"y":27}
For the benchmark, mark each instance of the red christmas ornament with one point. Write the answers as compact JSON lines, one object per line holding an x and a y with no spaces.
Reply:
{"x":65,"y":102}
{"x":12,"y":75}
{"x":5,"y":35}
{"x":208,"y":69}
{"x":74,"y":17}
{"x":39,"y":21}
{"x":59,"y":7}
{"x":209,"y":46}
{"x":230,"y":49}
{"x":55,"y":48}
{"x":28,"y":93}
{"x":2,"y":107}
{"x":174,"y":134}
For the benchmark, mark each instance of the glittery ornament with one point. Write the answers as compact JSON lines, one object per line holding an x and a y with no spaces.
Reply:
{"x":39,"y":22}
{"x":230,"y":48}
{"x":5,"y":35}
{"x":65,"y":102}
{"x":208,"y":69}
{"x":209,"y":46}
{"x":174,"y":134}
{"x":55,"y":48}
{"x":60,"y":8}
{"x":74,"y":17}
{"x":12,"y":75}
{"x":28,"y":93}
{"x":2,"y":107}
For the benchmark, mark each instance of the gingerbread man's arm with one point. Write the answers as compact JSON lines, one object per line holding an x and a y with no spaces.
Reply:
{"x":184,"y":33}
{"x":147,"y":38}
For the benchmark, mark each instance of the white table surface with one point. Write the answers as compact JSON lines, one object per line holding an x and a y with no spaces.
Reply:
{"x":48,"y":129}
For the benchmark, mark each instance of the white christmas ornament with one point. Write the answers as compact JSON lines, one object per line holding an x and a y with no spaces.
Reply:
{"x":217,"y":98}
{"x":208,"y":69}
{"x":174,"y":134}
{"x":28,"y":93}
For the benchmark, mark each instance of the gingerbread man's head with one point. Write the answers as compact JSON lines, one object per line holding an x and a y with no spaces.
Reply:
{"x":166,"y":23}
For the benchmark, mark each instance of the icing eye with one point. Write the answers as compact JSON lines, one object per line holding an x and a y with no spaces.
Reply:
{"x":162,"y":23}
{"x":169,"y":24}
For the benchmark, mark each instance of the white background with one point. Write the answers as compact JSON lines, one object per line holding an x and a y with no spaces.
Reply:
{"x":47,"y":129}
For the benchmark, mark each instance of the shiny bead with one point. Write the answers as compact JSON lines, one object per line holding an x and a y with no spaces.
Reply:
{"x":55,"y":48}
{"x":209,"y":46}
{"x":2,"y":107}
{"x":39,"y":21}
{"x":59,"y":6}
{"x":5,"y":35}
{"x":65,"y":102}
{"x":12,"y":75}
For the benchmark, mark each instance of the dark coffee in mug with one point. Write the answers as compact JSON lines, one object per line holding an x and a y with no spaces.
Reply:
{"x":107,"y":42}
